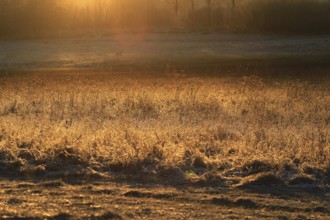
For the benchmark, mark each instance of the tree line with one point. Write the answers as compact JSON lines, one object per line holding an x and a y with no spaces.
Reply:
{"x":24,"y":18}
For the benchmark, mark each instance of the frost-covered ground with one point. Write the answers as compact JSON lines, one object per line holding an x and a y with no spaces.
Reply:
{"x":158,"y":48}
{"x":93,"y":144}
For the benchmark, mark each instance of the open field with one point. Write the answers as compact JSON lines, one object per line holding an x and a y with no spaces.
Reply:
{"x":165,"y":51}
{"x":224,"y":144}
{"x":167,"y":109}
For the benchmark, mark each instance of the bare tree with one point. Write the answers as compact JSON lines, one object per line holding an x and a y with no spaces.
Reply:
{"x":176,"y":7}
{"x":209,"y":4}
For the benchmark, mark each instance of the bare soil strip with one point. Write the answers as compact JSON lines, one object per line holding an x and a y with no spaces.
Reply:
{"x":107,"y":200}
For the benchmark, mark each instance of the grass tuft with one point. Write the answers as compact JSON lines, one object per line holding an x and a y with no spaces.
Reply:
{"x":263,"y":179}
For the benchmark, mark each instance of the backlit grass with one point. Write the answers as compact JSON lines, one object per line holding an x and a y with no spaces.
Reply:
{"x":172,"y":127}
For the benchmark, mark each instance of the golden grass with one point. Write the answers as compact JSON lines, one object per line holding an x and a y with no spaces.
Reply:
{"x":169,"y":124}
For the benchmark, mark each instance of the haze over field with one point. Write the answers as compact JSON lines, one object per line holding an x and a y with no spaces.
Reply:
{"x":166,"y":51}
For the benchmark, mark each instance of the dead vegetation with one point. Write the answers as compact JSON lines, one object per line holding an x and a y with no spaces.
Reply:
{"x":172,"y":129}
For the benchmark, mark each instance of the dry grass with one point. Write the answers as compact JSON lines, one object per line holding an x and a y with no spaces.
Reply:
{"x":169,"y":127}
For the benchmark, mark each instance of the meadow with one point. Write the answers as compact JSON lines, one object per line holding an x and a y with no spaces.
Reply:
{"x":166,"y":128}
{"x":178,"y":110}
{"x":180,"y":144}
